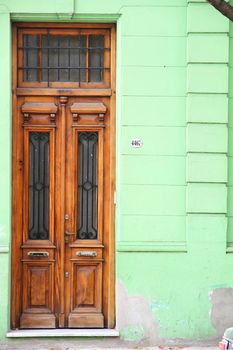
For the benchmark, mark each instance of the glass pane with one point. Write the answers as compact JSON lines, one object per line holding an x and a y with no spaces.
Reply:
{"x":50,"y":58}
{"x":63,"y":58}
{"x":87,"y":185}
{"x":38,"y":185}
{"x":78,"y":58}
{"x":30,"y":57}
{"x":96,"y":58}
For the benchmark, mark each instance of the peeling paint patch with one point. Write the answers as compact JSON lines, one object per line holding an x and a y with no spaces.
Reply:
{"x":222,"y":309}
{"x":132,"y":333}
{"x":135,"y":319}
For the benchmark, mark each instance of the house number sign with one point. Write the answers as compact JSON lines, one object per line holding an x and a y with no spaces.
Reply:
{"x":136,"y":143}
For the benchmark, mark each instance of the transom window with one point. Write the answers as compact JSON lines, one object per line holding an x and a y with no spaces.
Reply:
{"x":54,"y":58}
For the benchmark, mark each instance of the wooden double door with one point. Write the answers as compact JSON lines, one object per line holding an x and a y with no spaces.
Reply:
{"x":63,"y":170}
{"x":63,"y":209}
{"x":64,"y":159}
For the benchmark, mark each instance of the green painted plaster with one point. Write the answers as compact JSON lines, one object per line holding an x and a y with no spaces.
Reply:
{"x":230,"y":152}
{"x":216,"y":23}
{"x":206,"y":198}
{"x":138,"y":111}
{"x":172,"y":200}
{"x":154,"y":140}
{"x":5,"y":170}
{"x":209,"y":78}
{"x":214,"y":48}
{"x":207,"y":108}
{"x":166,"y":52}
{"x":171,"y":81}
{"x":212,"y":138}
{"x":199,"y":165}
{"x":135,"y":172}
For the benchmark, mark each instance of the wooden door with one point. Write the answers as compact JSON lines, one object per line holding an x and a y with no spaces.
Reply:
{"x":63,"y":176}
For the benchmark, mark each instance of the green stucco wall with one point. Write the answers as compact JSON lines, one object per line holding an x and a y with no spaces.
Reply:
{"x":174,"y":212}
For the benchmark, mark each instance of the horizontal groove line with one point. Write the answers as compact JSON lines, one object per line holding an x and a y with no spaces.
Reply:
{"x":207,"y":183}
{"x":172,"y":96}
{"x":206,"y":93}
{"x":150,"y":66}
{"x":176,"y":215}
{"x":153,"y":125}
{"x":149,"y":6}
{"x":157,"y":215}
{"x":204,"y":152}
{"x":148,"y":154}
{"x":152,"y":155}
{"x":197,"y":32}
{"x":162,"y":126}
{"x":201,"y":153}
{"x":206,"y":123}
{"x":183,"y":185}
{"x":206,"y":213}
{"x":210,"y":34}
{"x":153,"y":36}
{"x":151,"y":184}
{"x":207,"y":63}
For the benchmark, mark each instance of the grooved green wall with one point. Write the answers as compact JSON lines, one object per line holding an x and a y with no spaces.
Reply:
{"x":174,"y":213}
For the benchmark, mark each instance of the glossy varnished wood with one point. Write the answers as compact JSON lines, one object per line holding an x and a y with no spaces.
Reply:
{"x":66,"y":288}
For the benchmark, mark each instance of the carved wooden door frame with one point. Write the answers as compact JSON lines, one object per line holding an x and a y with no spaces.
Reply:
{"x":46,"y":109}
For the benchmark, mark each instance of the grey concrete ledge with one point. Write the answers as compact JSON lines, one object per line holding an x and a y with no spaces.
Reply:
{"x":34,"y":333}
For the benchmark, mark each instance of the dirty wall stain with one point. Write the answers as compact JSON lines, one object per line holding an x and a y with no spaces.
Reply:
{"x":135,"y":318}
{"x":221,"y":314}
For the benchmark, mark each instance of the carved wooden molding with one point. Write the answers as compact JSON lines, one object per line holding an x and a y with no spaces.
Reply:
{"x":97,"y":108}
{"x":30,"y":108}
{"x":63,"y":100}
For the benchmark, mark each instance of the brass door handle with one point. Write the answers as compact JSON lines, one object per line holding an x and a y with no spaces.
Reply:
{"x":70,"y":233}
{"x":38,"y":254}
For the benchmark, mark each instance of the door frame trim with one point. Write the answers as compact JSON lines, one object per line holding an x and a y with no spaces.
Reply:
{"x":17,"y":178}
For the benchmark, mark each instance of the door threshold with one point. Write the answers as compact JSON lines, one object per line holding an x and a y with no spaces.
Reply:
{"x":30,"y":333}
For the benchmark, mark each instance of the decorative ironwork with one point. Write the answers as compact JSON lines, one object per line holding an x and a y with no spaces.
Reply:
{"x":38,"y":227}
{"x":63,"y":58}
{"x":87,"y":185}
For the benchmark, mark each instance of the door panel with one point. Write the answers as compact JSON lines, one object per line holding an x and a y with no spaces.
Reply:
{"x":38,"y":260}
{"x":84,"y":234}
{"x":86,"y":302}
{"x":38,"y":295}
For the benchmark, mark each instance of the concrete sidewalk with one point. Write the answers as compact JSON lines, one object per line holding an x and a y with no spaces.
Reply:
{"x":35,"y":345}
{"x":82,"y":343}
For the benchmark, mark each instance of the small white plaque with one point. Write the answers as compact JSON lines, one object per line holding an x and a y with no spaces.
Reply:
{"x":136,"y":143}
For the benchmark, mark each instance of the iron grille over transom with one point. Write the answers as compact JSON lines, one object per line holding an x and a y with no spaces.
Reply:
{"x":49,"y":58}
